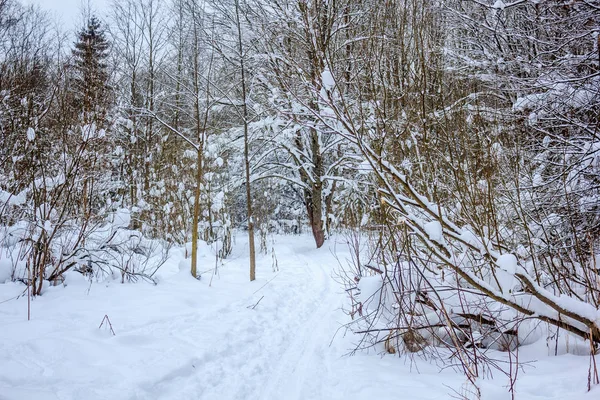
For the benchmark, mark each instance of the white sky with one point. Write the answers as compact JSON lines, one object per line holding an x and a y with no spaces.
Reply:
{"x":68,"y":12}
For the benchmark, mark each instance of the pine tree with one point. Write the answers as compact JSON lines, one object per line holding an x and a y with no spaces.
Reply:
{"x":90,"y":81}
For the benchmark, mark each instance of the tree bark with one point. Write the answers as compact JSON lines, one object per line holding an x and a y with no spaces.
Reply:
{"x":196,"y":217}
{"x":315,"y":202}
{"x":315,"y":39}
{"x":246,"y":148}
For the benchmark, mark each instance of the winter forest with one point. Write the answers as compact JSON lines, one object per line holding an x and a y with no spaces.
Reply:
{"x":301,"y":199}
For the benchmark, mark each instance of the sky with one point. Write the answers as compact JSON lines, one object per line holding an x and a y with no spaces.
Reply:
{"x":68,"y":12}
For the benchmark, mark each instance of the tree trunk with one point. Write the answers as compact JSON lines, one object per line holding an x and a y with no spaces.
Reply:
{"x":246,"y":149}
{"x":315,"y":210}
{"x":196,"y":214}
{"x":316,"y":224}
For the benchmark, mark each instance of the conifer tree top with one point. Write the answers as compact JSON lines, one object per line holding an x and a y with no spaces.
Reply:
{"x":90,"y":69}
{"x":91,"y":40}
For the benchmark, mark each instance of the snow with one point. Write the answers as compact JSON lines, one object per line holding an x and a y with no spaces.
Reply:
{"x":90,"y":131}
{"x":557,"y":95}
{"x":47,"y":226}
{"x":218,"y":201}
{"x":223,"y":337}
{"x":370,"y":291}
{"x":499,"y":5}
{"x":30,"y":134}
{"x":121,"y":218}
{"x":9,"y":198}
{"x":190,"y":154}
{"x":364,"y":168}
{"x":434,"y":231}
{"x":508,"y":263}
{"x":5,"y":270}
{"x":328,"y":81}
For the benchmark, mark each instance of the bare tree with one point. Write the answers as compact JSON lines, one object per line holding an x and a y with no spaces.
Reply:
{"x":297,"y":48}
{"x":245,"y":116}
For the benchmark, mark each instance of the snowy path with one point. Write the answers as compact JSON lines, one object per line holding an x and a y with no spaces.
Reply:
{"x":245,"y":350}
{"x":180,"y":339}
{"x":297,"y":375}
{"x":184,"y":339}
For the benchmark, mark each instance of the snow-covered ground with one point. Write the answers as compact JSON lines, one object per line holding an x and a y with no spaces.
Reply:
{"x":189,"y":339}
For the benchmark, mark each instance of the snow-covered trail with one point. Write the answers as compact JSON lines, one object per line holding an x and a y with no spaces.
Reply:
{"x":303,"y":365}
{"x":180,"y":339}
{"x":188,"y":339}
{"x":243,"y":350}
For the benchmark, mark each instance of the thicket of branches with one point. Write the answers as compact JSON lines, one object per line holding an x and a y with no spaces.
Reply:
{"x":460,"y":137}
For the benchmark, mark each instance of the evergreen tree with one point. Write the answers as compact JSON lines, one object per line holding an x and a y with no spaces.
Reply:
{"x":90,"y":81}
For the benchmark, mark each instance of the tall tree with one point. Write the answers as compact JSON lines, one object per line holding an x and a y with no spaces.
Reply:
{"x":301,"y":52}
{"x":231,"y":17}
{"x":245,"y":116}
{"x":91,"y":76}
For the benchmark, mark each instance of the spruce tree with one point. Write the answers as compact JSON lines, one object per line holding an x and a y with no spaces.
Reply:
{"x":90,"y":80}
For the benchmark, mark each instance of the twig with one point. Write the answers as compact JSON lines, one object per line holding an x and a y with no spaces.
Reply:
{"x":593,"y":369}
{"x":108,"y":323}
{"x":28,"y":291}
{"x":254,"y":306}
{"x":373,"y":268}
{"x":10,"y":299}
{"x":269,"y":281}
